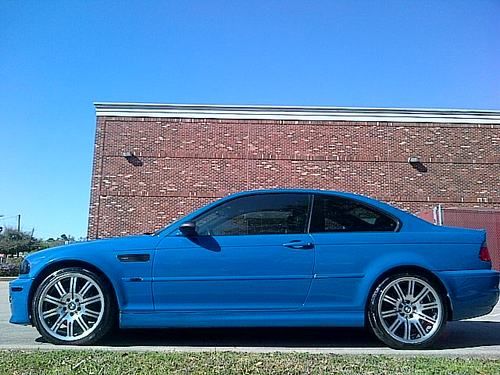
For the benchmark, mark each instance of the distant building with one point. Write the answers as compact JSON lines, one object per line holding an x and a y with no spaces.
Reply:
{"x":156,"y":162}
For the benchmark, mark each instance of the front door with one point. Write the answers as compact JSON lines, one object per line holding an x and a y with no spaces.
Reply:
{"x":251,"y":252}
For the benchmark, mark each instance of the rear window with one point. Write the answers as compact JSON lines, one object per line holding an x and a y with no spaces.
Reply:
{"x":336,"y":214}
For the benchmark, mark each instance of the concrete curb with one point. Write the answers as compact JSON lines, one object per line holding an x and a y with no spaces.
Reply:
{"x":489,"y":353}
{"x":7,"y":278}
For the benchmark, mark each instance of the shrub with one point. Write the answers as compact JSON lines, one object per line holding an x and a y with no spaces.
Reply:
{"x":14,"y":260}
{"x":7,"y":269}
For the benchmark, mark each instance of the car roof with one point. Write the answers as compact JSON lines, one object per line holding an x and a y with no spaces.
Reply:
{"x":343,"y":194}
{"x":296,"y":190}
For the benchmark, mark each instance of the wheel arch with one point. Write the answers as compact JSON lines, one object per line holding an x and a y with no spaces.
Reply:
{"x":417,"y":270}
{"x":53,"y":267}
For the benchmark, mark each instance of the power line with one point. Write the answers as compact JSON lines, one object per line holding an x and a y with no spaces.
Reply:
{"x":7,"y":217}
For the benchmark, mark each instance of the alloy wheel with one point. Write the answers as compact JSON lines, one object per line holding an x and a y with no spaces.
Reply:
{"x":410,"y":310}
{"x":71,"y":306}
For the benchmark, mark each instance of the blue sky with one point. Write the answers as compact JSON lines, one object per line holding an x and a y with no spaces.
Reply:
{"x":58,"y":57}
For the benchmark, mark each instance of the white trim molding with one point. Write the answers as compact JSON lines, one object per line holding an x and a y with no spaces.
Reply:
{"x":261,"y":112}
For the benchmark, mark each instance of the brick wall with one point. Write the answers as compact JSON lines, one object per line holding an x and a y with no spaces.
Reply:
{"x":183,"y":164}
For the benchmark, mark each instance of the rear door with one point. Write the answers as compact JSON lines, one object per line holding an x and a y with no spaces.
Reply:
{"x":251,"y":252}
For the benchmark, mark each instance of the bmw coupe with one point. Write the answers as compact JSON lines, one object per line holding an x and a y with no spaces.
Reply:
{"x":287,"y":257}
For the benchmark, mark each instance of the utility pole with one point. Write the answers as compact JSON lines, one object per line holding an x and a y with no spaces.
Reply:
{"x":18,"y":220}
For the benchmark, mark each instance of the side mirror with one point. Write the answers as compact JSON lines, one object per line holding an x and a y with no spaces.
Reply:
{"x":188,"y":228}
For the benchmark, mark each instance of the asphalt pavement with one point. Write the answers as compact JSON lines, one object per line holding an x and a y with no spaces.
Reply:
{"x":478,"y":337}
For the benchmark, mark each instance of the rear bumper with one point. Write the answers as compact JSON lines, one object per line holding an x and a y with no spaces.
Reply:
{"x":18,"y":296}
{"x":472,"y":292}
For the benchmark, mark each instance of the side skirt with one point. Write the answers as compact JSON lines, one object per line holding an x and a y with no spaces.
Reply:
{"x":187,"y":319}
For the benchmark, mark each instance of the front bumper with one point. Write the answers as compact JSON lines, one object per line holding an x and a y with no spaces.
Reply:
{"x":472,"y":292}
{"x":19,"y":300}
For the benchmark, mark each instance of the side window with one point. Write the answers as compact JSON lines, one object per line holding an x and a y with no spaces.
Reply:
{"x":256,"y":214}
{"x":335,"y":214}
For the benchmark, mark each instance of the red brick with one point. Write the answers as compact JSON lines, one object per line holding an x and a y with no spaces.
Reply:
{"x":187,"y":163}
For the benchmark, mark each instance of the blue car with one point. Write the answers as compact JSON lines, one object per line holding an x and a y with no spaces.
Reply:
{"x":265,"y":258}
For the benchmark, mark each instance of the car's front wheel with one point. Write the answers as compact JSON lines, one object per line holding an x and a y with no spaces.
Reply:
{"x":407,"y":311}
{"x":72,"y":306}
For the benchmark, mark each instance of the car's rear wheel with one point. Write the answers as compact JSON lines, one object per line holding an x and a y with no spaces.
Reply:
{"x":407,"y":311}
{"x":73,"y":306}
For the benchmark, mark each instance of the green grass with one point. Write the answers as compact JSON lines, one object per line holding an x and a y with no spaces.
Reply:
{"x":122,"y":363}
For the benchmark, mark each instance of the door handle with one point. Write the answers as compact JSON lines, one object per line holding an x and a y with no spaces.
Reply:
{"x":299,"y":245}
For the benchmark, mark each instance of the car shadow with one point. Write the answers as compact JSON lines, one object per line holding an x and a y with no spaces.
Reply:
{"x":206,"y":242}
{"x":463,"y":334}
{"x":244,"y":337}
{"x":469,"y":334}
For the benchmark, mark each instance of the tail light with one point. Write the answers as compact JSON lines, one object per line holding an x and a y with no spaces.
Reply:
{"x":484,"y":254}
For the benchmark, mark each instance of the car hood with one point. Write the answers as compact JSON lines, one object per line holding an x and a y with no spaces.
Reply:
{"x":140,"y":242}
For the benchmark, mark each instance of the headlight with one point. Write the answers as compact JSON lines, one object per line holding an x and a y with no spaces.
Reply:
{"x":24,"y":267}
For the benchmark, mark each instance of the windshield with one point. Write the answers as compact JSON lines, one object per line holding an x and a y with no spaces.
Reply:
{"x":159,"y":231}
{"x":188,"y":216}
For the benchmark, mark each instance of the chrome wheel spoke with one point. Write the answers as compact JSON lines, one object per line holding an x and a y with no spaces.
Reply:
{"x":420,"y":328}
{"x":72,"y":286}
{"x":411,"y":288}
{"x":51,"y":312}
{"x":428,"y":306}
{"x":69,"y":328}
{"x":60,"y":289}
{"x":58,"y":322}
{"x":91,"y":313}
{"x":407,"y":333}
{"x":390,"y":300}
{"x":399,"y":291}
{"x":85,"y":289}
{"x":53,"y":300}
{"x":91,"y":300}
{"x":422,"y":294}
{"x":389,"y":313}
{"x":82,"y":323}
{"x":394,"y":326}
{"x":426,"y":318}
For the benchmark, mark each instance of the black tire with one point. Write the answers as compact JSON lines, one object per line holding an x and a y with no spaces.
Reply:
{"x":394,"y":333}
{"x":103,"y":324}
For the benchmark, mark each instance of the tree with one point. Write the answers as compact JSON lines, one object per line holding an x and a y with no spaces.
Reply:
{"x":66,"y":238}
{"x":13,"y":242}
